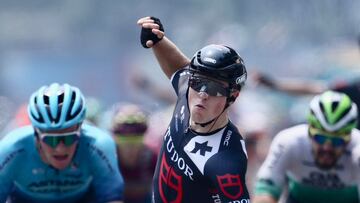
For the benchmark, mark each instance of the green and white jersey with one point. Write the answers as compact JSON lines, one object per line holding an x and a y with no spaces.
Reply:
{"x":290,"y":163}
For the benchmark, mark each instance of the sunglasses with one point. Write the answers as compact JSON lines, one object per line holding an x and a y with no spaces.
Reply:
{"x":129,"y":139}
{"x":54,"y":139}
{"x":211,"y":87}
{"x":321,"y":138}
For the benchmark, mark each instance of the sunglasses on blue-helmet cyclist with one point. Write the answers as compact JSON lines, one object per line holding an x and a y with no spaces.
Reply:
{"x":210,"y":87}
{"x":54,"y":139}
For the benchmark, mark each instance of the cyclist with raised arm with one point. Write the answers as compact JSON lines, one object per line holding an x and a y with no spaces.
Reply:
{"x":317,"y":161}
{"x":203,"y":156}
{"x":58,"y":158}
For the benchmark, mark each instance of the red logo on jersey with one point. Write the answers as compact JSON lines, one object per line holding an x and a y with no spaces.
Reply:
{"x":169,"y":179}
{"x":230,"y":185}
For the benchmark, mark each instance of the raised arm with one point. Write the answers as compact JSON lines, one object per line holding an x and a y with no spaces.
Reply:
{"x":292,"y":86}
{"x":166,"y":52}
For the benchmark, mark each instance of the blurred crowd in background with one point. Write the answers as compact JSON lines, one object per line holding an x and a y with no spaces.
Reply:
{"x":95,"y":46}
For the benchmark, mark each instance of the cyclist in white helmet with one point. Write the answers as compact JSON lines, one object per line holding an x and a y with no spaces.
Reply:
{"x":58,"y":158}
{"x":317,"y":161}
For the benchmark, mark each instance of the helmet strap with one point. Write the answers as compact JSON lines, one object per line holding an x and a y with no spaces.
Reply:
{"x":231,"y":98}
{"x":207,"y":123}
{"x":213,"y":121}
{"x":229,"y":101}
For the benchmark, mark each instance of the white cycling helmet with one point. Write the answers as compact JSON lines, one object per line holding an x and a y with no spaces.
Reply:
{"x":333,"y":112}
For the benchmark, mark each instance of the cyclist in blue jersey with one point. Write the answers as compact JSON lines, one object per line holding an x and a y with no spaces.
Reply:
{"x":57,"y":158}
{"x":203,"y":156}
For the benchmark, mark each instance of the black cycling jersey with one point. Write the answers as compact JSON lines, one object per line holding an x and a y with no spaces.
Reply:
{"x":199,"y":167}
{"x":353,"y":91}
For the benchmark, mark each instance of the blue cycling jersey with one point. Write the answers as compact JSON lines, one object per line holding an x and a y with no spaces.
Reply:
{"x":92,"y":174}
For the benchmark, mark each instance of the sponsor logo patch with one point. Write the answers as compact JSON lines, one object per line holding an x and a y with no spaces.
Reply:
{"x":230,"y":185}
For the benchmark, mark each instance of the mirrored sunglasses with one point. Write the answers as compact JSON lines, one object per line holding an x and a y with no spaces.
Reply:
{"x":129,"y":139}
{"x":321,"y":138}
{"x":54,"y":139}
{"x":335,"y":141}
{"x":211,"y":87}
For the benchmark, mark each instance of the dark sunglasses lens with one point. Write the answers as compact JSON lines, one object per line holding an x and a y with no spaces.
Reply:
{"x":336,"y":142}
{"x":70,"y":139}
{"x":320,"y":139}
{"x":215,"y":89}
{"x":210,"y":87}
{"x":52,"y":141}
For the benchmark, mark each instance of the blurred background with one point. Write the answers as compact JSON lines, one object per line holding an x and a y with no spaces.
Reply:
{"x":95,"y":45}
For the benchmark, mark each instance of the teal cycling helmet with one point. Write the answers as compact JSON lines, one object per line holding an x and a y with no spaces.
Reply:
{"x":56,"y":107}
{"x":333,"y":112}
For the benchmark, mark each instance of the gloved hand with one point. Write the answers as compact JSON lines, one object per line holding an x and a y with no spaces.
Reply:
{"x":147,"y":31}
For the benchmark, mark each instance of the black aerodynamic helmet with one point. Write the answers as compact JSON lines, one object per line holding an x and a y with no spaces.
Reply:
{"x":220,"y":62}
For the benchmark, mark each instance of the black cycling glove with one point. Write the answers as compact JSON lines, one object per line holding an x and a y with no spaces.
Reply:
{"x":146,"y":33}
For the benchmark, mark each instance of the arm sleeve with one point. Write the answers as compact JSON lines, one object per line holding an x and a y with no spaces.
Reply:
{"x":7,"y":169}
{"x":5,"y":181}
{"x":272,"y":174}
{"x":226,"y":171}
{"x":108,"y":182}
{"x":355,"y":155}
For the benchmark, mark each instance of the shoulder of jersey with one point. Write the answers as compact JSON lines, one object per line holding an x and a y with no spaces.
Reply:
{"x":96,"y":134}
{"x":355,"y":136}
{"x":355,"y":154}
{"x":293,"y":134}
{"x":19,"y":136}
{"x":234,"y":128}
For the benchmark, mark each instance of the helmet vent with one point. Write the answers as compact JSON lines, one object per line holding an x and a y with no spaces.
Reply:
{"x":198,"y":57}
{"x":73,"y":96}
{"x":40,"y":119}
{"x":312,"y":112}
{"x":334,"y":105}
{"x":70,"y":116}
{"x":323,"y":110}
{"x":61,"y":98}
{"x":345,"y":112}
{"x":321,"y":107}
{"x":46,"y":100}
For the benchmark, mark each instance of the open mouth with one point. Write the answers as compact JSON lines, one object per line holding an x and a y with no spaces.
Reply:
{"x":61,"y":157}
{"x":200,"y":106}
